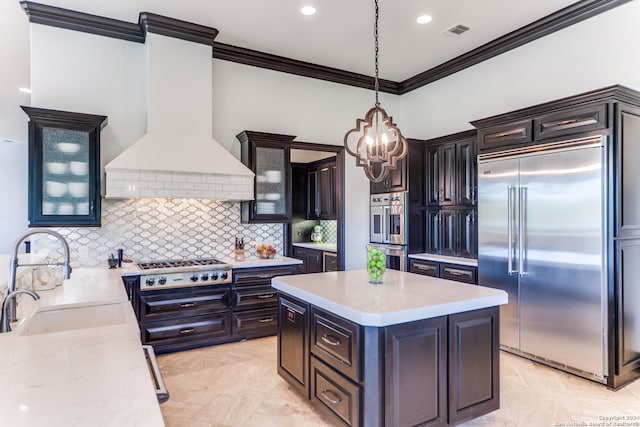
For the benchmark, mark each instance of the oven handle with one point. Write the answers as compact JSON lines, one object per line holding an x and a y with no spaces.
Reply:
{"x":156,"y":376}
{"x":386,"y":220}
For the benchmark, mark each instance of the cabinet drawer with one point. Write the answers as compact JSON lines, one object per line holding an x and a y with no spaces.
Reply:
{"x":461,"y":273}
{"x":172,"y":305}
{"x":186,"y":329}
{"x":333,"y":394}
{"x":254,"y":297}
{"x":567,"y":122}
{"x":336,"y":341}
{"x":255,"y":322}
{"x":426,"y":268}
{"x":260,"y":276}
{"x":504,"y":135}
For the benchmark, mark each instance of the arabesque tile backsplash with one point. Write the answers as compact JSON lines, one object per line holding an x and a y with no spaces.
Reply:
{"x":163,"y":229}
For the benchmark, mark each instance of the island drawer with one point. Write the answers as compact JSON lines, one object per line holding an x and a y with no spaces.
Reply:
{"x":255,"y":323}
{"x":334,"y":395}
{"x":247,"y":297}
{"x":461,"y":273}
{"x":337,"y":342}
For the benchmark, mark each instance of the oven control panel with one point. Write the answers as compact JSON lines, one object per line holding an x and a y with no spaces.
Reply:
{"x":184,"y":279}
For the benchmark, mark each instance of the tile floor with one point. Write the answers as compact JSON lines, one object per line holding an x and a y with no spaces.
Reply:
{"x":237,"y":385}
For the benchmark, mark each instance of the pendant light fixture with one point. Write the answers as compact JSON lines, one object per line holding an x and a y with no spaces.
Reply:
{"x":380,"y":143}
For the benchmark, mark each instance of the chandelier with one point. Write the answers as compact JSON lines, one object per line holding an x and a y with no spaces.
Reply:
{"x":380,"y":143}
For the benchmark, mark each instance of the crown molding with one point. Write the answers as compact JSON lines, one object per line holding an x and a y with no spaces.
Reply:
{"x":149,"y":22}
{"x":292,"y":66}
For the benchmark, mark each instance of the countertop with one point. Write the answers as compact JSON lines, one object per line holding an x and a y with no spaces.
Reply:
{"x":250,"y":262}
{"x":442,"y":258}
{"x":95,"y":376}
{"x":403,"y":297}
{"x":326,"y":247}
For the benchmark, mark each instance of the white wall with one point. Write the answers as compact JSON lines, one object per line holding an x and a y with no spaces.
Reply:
{"x":13,"y":188}
{"x":592,"y":54}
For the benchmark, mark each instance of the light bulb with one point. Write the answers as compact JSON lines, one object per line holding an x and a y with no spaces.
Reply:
{"x":384,"y":138}
{"x":369,"y":140}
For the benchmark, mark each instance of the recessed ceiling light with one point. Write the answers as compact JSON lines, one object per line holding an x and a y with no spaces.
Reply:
{"x":308,"y":10}
{"x":24,"y":89}
{"x":424,"y":19}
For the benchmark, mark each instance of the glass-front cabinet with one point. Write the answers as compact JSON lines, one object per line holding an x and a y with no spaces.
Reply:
{"x":64,"y":168}
{"x":268,"y":156}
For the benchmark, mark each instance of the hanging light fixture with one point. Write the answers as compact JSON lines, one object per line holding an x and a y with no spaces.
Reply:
{"x":380,"y":143}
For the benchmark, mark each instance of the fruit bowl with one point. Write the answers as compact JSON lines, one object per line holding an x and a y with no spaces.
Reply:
{"x":266,"y":251}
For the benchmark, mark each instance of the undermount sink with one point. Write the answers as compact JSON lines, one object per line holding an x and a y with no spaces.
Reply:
{"x":47,"y":320}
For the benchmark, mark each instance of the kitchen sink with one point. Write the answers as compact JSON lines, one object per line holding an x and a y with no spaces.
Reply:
{"x":46,"y":320}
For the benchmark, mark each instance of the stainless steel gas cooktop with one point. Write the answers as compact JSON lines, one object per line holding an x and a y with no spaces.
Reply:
{"x":157,"y":275}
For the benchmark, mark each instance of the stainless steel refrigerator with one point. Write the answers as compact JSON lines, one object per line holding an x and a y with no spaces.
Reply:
{"x":541,"y":238}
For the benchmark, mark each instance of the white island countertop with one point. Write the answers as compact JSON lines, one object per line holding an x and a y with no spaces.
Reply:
{"x":325,"y":247}
{"x":81,"y":377}
{"x":403,"y":297}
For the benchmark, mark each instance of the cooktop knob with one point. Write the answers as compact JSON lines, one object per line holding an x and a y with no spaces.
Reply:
{"x":214,"y":275}
{"x":162,"y":280}
{"x":205,"y":276}
{"x":150,"y":281}
{"x":223,"y":275}
{"x":194,"y":277}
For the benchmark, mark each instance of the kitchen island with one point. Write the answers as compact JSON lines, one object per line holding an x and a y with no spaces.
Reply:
{"x":412,"y":350}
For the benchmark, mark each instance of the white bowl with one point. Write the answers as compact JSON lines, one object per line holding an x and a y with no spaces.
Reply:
{"x":68,"y":147}
{"x":48,"y":208}
{"x":82,"y":208}
{"x":79,"y":168}
{"x":65,"y":209}
{"x":56,"y":168}
{"x":55,"y":189}
{"x":79,"y":189}
{"x":273,"y":176}
{"x":272,"y":196}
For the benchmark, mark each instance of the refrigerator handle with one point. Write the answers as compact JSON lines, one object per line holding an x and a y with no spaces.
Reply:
{"x":522,"y":232}
{"x":510,"y":269}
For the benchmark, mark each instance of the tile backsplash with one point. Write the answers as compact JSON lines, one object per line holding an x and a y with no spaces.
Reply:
{"x":153,"y":229}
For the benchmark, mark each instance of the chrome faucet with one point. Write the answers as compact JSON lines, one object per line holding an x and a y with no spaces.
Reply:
{"x":13,"y":267}
{"x":5,"y":324}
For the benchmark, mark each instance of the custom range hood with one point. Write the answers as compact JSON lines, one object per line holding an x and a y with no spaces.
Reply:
{"x":177,"y":158}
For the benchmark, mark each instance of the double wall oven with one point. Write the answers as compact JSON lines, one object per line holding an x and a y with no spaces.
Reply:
{"x":388,"y":227}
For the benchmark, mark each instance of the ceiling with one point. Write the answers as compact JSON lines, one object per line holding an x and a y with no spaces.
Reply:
{"x":340,"y":34}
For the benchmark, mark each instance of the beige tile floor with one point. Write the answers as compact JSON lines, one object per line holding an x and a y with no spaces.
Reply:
{"x":237,"y":385}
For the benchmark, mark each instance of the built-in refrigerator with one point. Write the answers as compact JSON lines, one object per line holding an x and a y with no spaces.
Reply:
{"x":541,"y":222}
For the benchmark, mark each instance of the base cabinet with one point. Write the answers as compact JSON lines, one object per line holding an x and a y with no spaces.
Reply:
{"x":444,"y":270}
{"x":433,"y":372}
{"x":312,"y":260}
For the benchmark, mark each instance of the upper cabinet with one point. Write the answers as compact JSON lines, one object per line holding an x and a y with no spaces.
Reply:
{"x":268,"y":156}
{"x":395,"y":182}
{"x":64,"y":168}
{"x":451,"y":170}
{"x":321,"y":194}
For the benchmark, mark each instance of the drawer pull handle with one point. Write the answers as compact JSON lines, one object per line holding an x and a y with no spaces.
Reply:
{"x":334,"y":398}
{"x":458,"y":273}
{"x":331,"y":340}
{"x":424,"y":267}
{"x":187,"y":330}
{"x":265,"y":296}
{"x":270,"y":319}
{"x":187,"y":304}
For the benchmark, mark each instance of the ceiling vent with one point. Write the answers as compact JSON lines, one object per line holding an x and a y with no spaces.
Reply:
{"x":456,"y":29}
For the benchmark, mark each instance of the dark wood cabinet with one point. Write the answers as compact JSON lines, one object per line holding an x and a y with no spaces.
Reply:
{"x":451,"y":232}
{"x":64,"y":168}
{"x":466,"y":170}
{"x":503,"y":135}
{"x":132,"y":287}
{"x":321,"y":190}
{"x":444,"y":270}
{"x":312,"y":260}
{"x":268,"y":156}
{"x":433,"y":372}
{"x":474,"y":364}
{"x":451,"y":170}
{"x":293,"y":342}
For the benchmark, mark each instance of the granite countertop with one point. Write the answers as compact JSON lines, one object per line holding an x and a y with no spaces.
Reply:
{"x":250,"y":262}
{"x":403,"y":297}
{"x":93,"y":376}
{"x":472,"y":262}
{"x":326,"y":247}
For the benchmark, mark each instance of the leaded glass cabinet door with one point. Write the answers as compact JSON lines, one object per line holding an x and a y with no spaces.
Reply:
{"x":64,"y":168}
{"x":268,"y":156}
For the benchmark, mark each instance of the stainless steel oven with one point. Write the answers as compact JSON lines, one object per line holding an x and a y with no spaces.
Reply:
{"x":388,"y":218}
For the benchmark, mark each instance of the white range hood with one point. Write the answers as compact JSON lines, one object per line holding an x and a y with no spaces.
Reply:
{"x":177,"y":158}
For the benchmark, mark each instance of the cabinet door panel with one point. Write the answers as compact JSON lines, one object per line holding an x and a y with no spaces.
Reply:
{"x":467,"y":233}
{"x":466,"y":172}
{"x":416,"y":361}
{"x":433,"y":232}
{"x":448,"y":228}
{"x":628,"y":301}
{"x":313,"y":204}
{"x":628,"y":196}
{"x":315,"y":261}
{"x":432,"y":175}
{"x":325,"y":195}
{"x":293,"y":342}
{"x":448,"y":175}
